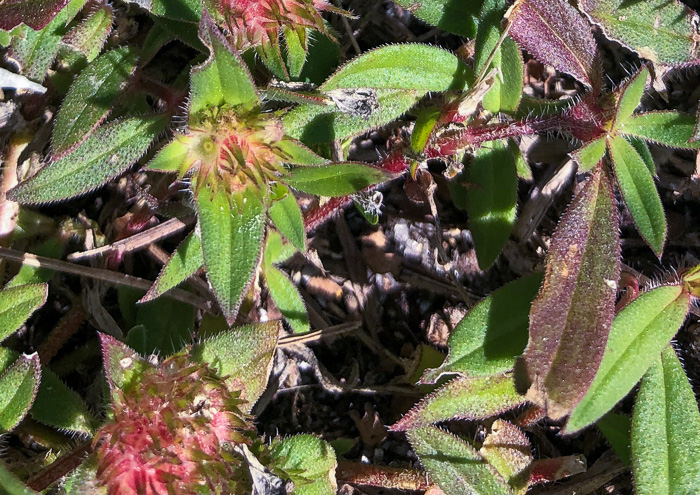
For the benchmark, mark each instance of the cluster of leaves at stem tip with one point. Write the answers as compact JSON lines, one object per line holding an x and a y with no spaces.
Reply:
{"x":242,"y":152}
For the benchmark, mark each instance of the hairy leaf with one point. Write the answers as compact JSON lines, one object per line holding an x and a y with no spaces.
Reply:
{"x":630,"y":96}
{"x":639,"y":332}
{"x":335,"y":179}
{"x":616,"y":429}
{"x":666,"y":431}
{"x":287,"y":299}
{"x":182,"y":10}
{"x":454,"y":465}
{"x":402,"y":66}
{"x":663,"y":31}
{"x":454,"y":16}
{"x":89,"y":36}
{"x":18,"y":387}
{"x":667,"y":128}
{"x":34,"y":13}
{"x":508,"y":450}
{"x":590,"y":154}
{"x":107,"y":153}
{"x":286,"y":215}
{"x":231,"y":243}
{"x":309,"y":462}
{"x":122,"y":364}
{"x":90,"y":98}
{"x":72,"y":415}
{"x":492,"y":334}
{"x":556,"y":34}
{"x":299,"y":154}
{"x":243,"y":356}
{"x":641,"y":146}
{"x":639,"y":192}
{"x":464,"y":398}
{"x":571,"y":317}
{"x":17,"y":304}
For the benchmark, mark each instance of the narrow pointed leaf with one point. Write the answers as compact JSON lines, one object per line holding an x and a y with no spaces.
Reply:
{"x":663,"y":31}
{"x":571,"y":317}
{"x":286,"y":215}
{"x":296,"y":50}
{"x":639,"y":192}
{"x":508,"y":450}
{"x":666,"y":431}
{"x":493,"y":333}
{"x":555,"y":33}
{"x":232,"y":244}
{"x":90,"y":98}
{"x":426,"y":121}
{"x":630,"y":96}
{"x":590,"y":154}
{"x":667,"y":128}
{"x":223,"y":78}
{"x":184,"y":262}
{"x":454,"y":465}
{"x":173,"y":157}
{"x":243,"y":356}
{"x":455,"y":16}
{"x":298,"y":154}
{"x":72,"y":415}
{"x":18,"y":387}
{"x":287,"y":298}
{"x":335,"y":179}
{"x":616,"y":429}
{"x":107,"y":153}
{"x":17,"y":304}
{"x":639,"y":332}
{"x":402,"y":66}
{"x":34,"y":13}
{"x":310,"y":463}
{"x":643,"y":149}
{"x":90,"y":35}
{"x":492,"y":200}
{"x":464,"y":398}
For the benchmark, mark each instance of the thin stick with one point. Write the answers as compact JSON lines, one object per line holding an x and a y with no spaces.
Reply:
{"x":108,"y":276}
{"x":137,"y":241}
{"x":316,"y":335}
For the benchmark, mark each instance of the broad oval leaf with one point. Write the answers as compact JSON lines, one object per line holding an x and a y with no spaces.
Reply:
{"x":402,"y":66}
{"x":639,"y":192}
{"x":492,"y":334}
{"x":17,"y":304}
{"x":242,"y":356}
{"x":672,"y":129}
{"x":555,"y":33}
{"x":464,"y":398}
{"x":107,"y":153}
{"x":639,"y":333}
{"x":492,"y":201}
{"x":72,"y":415}
{"x":223,"y":79}
{"x":18,"y":387}
{"x":454,"y":465}
{"x":309,"y":462}
{"x":663,"y":31}
{"x":90,"y":98}
{"x":571,"y":317}
{"x":232,"y":241}
{"x":666,"y":431}
{"x":183,"y":263}
{"x":630,"y":94}
{"x":335,"y":179}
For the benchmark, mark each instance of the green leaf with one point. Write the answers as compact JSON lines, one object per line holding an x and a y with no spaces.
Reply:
{"x":572,"y":315}
{"x":243,"y":356}
{"x":630,"y":94}
{"x":423,"y":128}
{"x":639,"y":192}
{"x":616,"y":429}
{"x":296,"y":43}
{"x":33,"y":13}
{"x":10,"y":483}
{"x":335,"y":179}
{"x":590,"y":154}
{"x":17,"y":304}
{"x":309,"y":462}
{"x":639,"y":332}
{"x":122,"y":365}
{"x":72,"y":415}
{"x":508,"y":450}
{"x":492,"y":334}
{"x":276,"y":250}
{"x":173,"y":157}
{"x":402,"y":66}
{"x":286,"y":215}
{"x":641,"y":146}
{"x":223,"y":79}
{"x":182,"y":10}
{"x":89,"y":36}
{"x":491,"y":200}
{"x":667,"y":128}
{"x":464,"y":398}
{"x":18,"y":387}
{"x":663,"y":31}
{"x":107,"y":153}
{"x":666,"y":431}
{"x":298,"y":154}
{"x":183,"y":263}
{"x":232,"y":241}
{"x":454,"y":465}
{"x":318,"y":124}
{"x":51,"y":248}
{"x":90,"y":98}
{"x":162,"y":327}
{"x":453,"y":16}
{"x":287,"y":298}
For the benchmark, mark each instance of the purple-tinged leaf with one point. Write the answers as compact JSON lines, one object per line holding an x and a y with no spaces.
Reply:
{"x":122,"y":365}
{"x":90,"y":35}
{"x":454,"y":465}
{"x":508,"y":450}
{"x":557,"y":35}
{"x":242,"y":356}
{"x":34,"y":13}
{"x":551,"y":470}
{"x":18,"y":386}
{"x":464,"y":398}
{"x":571,"y":317}
{"x":663,"y":31}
